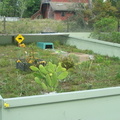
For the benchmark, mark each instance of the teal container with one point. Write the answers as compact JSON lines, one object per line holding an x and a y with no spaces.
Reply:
{"x":45,"y":45}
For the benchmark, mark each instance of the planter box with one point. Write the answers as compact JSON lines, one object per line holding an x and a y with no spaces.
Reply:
{"x":24,"y":66}
{"x":97,"y":46}
{"x":96,"y":104}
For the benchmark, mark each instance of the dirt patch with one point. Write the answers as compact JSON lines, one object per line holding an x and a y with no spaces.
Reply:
{"x":83,"y":57}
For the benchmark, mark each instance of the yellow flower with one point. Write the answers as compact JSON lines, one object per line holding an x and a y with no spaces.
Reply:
{"x":50,"y":74}
{"x":6,"y":105}
{"x":30,"y":61}
{"x":44,"y":62}
{"x":41,"y":62}
{"x":22,"y":45}
{"x":18,"y":61}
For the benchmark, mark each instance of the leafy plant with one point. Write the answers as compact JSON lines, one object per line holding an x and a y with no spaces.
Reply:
{"x":67,"y":62}
{"x":48,"y":76}
{"x":106,"y":25}
{"x":103,"y":9}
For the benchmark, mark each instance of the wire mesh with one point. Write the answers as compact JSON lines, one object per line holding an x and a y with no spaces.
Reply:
{"x":41,"y":25}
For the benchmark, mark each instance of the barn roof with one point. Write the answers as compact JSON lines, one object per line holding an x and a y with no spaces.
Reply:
{"x":62,"y":6}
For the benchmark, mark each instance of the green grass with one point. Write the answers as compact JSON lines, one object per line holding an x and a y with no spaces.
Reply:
{"x":101,"y":72}
{"x":32,"y":26}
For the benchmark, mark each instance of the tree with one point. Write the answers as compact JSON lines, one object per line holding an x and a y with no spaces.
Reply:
{"x":114,"y":2}
{"x":19,"y":8}
{"x":108,"y":24}
{"x":22,"y":6}
{"x":32,"y":7}
{"x":8,"y":8}
{"x":81,"y":15}
{"x":103,"y":9}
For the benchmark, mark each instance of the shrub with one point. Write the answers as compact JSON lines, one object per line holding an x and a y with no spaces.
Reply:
{"x":106,"y":25}
{"x":67,"y":62}
{"x":110,"y":37}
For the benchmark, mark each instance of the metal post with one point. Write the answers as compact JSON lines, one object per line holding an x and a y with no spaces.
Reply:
{"x":67,"y":24}
{"x":4,"y":24}
{"x":118,"y":25}
{"x":1,"y":103}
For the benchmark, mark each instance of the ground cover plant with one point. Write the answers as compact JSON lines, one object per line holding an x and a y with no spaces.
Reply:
{"x":102,"y":71}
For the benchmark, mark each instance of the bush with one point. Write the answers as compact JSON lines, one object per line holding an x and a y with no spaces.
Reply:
{"x":68,"y":62}
{"x":106,"y":25}
{"x":105,"y":29}
{"x":115,"y":37}
{"x":110,"y":37}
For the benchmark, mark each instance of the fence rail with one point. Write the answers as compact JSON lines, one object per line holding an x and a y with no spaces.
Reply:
{"x":14,"y":25}
{"x":97,"y":46}
{"x":9,"y":18}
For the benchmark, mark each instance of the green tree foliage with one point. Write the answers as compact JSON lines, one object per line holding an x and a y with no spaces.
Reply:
{"x":106,"y":20}
{"x":103,"y":9}
{"x":116,"y":3}
{"x":108,"y":24}
{"x":33,"y":6}
{"x":8,"y":8}
{"x":118,"y":12}
{"x":82,"y":14}
{"x":85,"y":16}
{"x":19,"y":8}
{"x":22,"y":6}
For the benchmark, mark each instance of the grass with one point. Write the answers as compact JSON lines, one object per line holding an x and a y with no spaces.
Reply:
{"x":26,"y":25}
{"x":32,"y":26}
{"x":101,"y":72}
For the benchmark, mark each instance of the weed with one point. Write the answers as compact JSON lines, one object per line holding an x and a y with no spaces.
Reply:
{"x":4,"y":62}
{"x":67,"y":62}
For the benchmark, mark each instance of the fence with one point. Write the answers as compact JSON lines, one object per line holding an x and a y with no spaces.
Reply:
{"x":39,"y":25}
{"x":97,"y":104}
{"x":9,"y":18}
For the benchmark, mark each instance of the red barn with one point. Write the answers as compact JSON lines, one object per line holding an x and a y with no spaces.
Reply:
{"x":58,"y":9}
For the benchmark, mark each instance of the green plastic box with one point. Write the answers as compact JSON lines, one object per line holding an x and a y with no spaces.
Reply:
{"x":45,"y":45}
